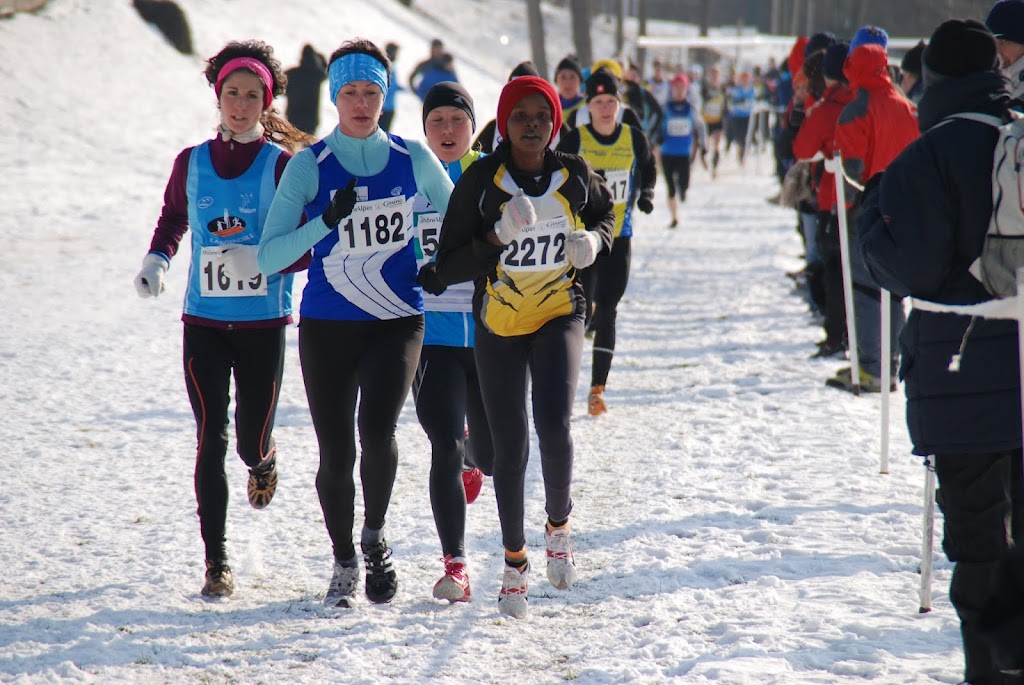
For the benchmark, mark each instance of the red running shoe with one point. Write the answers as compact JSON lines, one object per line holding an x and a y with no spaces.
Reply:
{"x":472,"y":481}
{"x":454,"y":585}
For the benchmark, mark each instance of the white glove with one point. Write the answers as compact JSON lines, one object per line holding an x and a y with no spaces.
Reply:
{"x":581,"y":248}
{"x":519,"y":213}
{"x":150,"y":281}
{"x":240,"y":261}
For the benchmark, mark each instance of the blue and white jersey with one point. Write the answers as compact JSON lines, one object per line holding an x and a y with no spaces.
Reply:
{"x":231,"y":212}
{"x":366,"y":269}
{"x":741,"y":101}
{"x":448,"y":317}
{"x":677,"y":129}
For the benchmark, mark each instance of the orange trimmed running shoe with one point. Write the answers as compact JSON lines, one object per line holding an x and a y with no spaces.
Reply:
{"x":595,"y":401}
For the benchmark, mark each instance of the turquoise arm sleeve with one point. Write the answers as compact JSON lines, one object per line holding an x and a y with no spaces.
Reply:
{"x":281,"y":244}
{"x":432,"y":180}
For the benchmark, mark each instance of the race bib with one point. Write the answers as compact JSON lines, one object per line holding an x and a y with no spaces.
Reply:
{"x":428,"y":227}
{"x":539,"y":247}
{"x":376,"y":226}
{"x":214,"y":283}
{"x":618,"y":183}
{"x":713,"y":110}
{"x":679,"y":126}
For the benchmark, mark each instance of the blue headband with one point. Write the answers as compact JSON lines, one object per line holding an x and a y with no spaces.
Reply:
{"x":356,"y":66}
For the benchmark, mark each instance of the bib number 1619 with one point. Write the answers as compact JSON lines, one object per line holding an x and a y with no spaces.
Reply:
{"x":215,"y":283}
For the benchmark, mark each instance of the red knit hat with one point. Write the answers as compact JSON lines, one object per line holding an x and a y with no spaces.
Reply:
{"x":517,"y":89}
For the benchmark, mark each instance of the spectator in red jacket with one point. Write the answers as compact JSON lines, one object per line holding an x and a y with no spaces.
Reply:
{"x":817,"y":134}
{"x":872,"y":130}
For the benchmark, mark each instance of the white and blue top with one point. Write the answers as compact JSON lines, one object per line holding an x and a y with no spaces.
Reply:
{"x":365,"y":269}
{"x":448,"y":316}
{"x":678,"y":128}
{"x":231,"y":212}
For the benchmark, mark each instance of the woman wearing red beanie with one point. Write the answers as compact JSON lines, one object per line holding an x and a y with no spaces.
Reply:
{"x":515,"y":227}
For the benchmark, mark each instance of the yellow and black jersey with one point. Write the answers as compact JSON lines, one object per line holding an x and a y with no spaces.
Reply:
{"x":715,"y":104}
{"x":521,"y":286}
{"x":625,"y":162}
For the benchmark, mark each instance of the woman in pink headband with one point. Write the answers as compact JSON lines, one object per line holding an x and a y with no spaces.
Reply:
{"x":246,"y":85}
{"x":235,"y":316}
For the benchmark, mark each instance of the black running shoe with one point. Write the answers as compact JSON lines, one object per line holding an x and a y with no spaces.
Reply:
{"x":381,"y":581}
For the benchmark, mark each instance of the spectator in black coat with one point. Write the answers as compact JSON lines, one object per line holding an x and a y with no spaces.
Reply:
{"x":303,"y":90}
{"x":170,"y":20}
{"x":923,"y":224}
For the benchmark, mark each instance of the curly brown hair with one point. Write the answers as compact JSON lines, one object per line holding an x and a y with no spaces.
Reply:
{"x":278,"y":128}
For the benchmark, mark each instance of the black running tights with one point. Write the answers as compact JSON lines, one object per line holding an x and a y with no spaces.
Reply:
{"x":342,"y":362}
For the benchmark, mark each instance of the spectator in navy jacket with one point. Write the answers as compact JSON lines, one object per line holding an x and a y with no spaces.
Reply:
{"x":923,"y":224}
{"x":305,"y":82}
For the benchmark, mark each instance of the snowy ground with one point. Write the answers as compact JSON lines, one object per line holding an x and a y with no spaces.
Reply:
{"x":731,"y":525}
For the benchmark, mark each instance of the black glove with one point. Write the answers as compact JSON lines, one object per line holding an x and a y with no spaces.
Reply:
{"x":796,"y":118}
{"x":429,"y":281}
{"x":341,"y":205}
{"x":644,"y":204}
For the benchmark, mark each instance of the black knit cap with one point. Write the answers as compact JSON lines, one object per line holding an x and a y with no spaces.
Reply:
{"x":819,"y":41}
{"x":602,"y":82}
{"x":1006,"y":20}
{"x":959,"y":47}
{"x":526,"y":68}
{"x":911,"y":62}
{"x":569,"y":63}
{"x":448,"y":94}
{"x":835,"y":57}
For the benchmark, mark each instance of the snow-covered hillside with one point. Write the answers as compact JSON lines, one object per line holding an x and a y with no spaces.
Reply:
{"x":731,"y":524}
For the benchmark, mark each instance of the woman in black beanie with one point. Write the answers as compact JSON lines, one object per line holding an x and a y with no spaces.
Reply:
{"x":446,"y":389}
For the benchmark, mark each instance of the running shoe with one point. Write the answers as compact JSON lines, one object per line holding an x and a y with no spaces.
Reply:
{"x":472,"y":481}
{"x":454,"y":585}
{"x":512,"y":598}
{"x":561,"y":565}
{"x":219,"y":582}
{"x":341,"y":592}
{"x":263,"y":482}
{"x":381,"y":581}
{"x":595,"y":401}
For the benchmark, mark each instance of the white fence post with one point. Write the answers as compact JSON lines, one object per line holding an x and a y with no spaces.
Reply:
{"x":835,"y":165}
{"x":927,"y":538}
{"x":886,"y":378}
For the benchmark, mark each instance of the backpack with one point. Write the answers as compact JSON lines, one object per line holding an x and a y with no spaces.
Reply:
{"x":1003,"y":250}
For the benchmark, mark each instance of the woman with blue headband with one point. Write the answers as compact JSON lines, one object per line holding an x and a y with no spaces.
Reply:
{"x":361,"y":317}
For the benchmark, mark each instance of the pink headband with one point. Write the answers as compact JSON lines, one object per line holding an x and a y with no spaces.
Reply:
{"x":253,"y":65}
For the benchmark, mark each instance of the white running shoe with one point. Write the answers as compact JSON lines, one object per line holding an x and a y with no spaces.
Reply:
{"x":342,"y":591}
{"x":561,"y":566}
{"x":512,"y":598}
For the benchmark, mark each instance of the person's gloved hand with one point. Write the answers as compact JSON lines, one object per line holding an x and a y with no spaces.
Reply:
{"x":429,"y":280}
{"x":150,"y":280}
{"x":581,"y":248}
{"x":341,"y":205}
{"x":519,"y":213}
{"x":644,"y":204}
{"x":240,"y":261}
{"x":796,"y":118}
